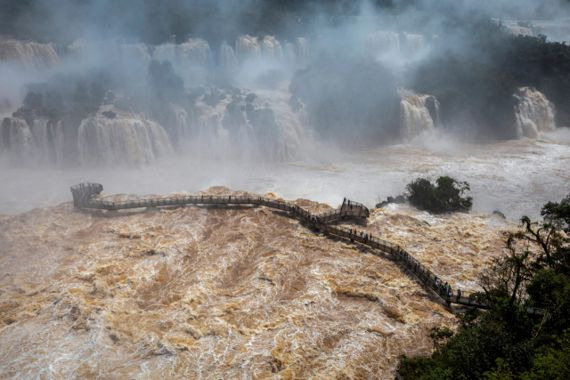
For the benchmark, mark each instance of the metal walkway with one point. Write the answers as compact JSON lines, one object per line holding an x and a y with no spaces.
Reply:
{"x":85,"y":196}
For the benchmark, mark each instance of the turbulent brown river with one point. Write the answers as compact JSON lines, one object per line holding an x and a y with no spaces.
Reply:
{"x":247,"y":292}
{"x":221,"y":293}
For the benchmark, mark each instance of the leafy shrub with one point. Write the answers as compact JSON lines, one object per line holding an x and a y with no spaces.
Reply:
{"x":445,"y":196}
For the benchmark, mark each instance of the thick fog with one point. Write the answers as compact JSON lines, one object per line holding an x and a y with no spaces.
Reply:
{"x":264,"y":95}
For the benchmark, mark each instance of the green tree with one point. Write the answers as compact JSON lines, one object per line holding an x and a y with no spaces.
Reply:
{"x":445,"y":196}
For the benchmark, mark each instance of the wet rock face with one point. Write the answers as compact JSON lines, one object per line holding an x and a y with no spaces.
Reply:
{"x":196,"y":292}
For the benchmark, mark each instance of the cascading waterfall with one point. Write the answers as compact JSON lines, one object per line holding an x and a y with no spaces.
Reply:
{"x":249,"y":126}
{"x":228,"y":59}
{"x":42,"y":143}
{"x":290,"y":122}
{"x":107,"y":138}
{"x":383,"y":41}
{"x":16,"y":139}
{"x":48,"y":141}
{"x":195,"y":51}
{"x":134,"y":57}
{"x":412,"y":43}
{"x":223,"y":124}
{"x":301,"y":49}
{"x":271,"y":48}
{"x":418,"y":113}
{"x":518,"y":29}
{"x":247,"y":47}
{"x":534,"y":113}
{"x":29,"y":54}
{"x":181,"y":123}
{"x":191,"y":59}
{"x":134,"y":53}
{"x":389,"y":45}
{"x":112,"y":137}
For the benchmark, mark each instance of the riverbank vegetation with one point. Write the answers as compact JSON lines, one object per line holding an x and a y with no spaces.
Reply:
{"x":446,"y":195}
{"x":508,"y":342}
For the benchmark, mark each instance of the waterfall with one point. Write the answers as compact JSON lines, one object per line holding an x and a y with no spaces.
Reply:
{"x":29,"y":54}
{"x":181,"y":123}
{"x":42,"y":143}
{"x":383,"y":41}
{"x":394,"y":46}
{"x":137,"y":53}
{"x":418,"y":113}
{"x":195,"y":51}
{"x":246,"y":125}
{"x":290,"y":52}
{"x":412,"y":43}
{"x":16,"y":139}
{"x":302,"y":49}
{"x":113,"y":137}
{"x":247,"y":47}
{"x":192,"y":59}
{"x":517,"y":28}
{"x":534,"y":113}
{"x":267,"y":51}
{"x":48,"y":141}
{"x":134,"y":57}
{"x":108,"y":138}
{"x":271,"y":48}
{"x":228,"y":57}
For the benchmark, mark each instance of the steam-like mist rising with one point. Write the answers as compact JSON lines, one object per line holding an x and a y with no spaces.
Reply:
{"x":320,"y":92}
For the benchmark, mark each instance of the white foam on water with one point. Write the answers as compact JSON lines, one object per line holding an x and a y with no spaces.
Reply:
{"x":516,"y":177}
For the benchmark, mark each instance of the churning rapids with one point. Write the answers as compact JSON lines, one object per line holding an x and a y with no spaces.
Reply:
{"x":209,"y":293}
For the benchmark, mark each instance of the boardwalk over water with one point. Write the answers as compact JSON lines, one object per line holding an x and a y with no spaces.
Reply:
{"x":85,"y":196}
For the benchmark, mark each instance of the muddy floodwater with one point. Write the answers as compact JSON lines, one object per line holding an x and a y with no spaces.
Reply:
{"x":223,"y":292}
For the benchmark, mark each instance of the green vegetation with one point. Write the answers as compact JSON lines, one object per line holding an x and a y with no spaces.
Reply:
{"x":508,"y":342}
{"x":446,"y":195}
